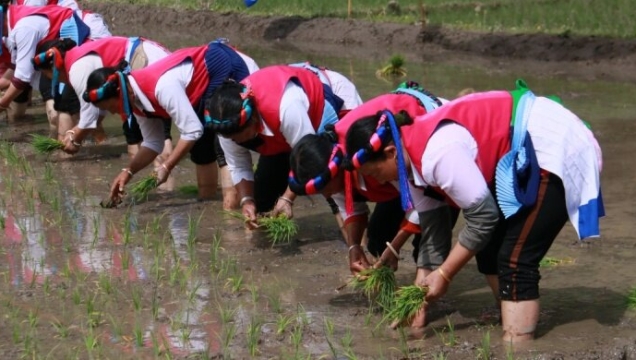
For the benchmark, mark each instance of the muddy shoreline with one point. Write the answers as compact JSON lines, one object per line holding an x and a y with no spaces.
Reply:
{"x":587,"y":57}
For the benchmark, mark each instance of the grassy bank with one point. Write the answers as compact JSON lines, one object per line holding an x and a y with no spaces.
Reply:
{"x":581,"y":17}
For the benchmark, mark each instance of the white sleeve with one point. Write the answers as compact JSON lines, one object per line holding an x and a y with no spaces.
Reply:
{"x":359,"y":207}
{"x":421,"y":203}
{"x":71,"y":4}
{"x":450,"y":165}
{"x":171,"y":95}
{"x":26,"y":37}
{"x":78,"y":76}
{"x":34,"y":2}
{"x":252,"y":67}
{"x":152,"y":133}
{"x":96,"y":23}
{"x":239,"y":160}
{"x":294,"y":117}
{"x":344,"y":89}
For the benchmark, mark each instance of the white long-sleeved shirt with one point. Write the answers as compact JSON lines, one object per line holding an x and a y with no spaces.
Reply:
{"x":176,"y":104}
{"x":170,"y":93}
{"x":24,"y":37}
{"x":81,"y":70}
{"x":294,"y":124}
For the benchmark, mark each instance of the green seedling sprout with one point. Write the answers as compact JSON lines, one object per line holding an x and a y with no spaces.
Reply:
{"x":142,"y":188}
{"x":407,"y":302}
{"x":377,"y":284}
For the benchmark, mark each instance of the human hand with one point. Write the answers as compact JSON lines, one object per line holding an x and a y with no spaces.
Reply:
{"x":249,"y":212}
{"x":70,"y":145}
{"x":283,"y":207}
{"x":117,"y":186}
{"x":387,"y":258}
{"x":162,"y":172}
{"x":437,"y":283}
{"x":357,"y":260}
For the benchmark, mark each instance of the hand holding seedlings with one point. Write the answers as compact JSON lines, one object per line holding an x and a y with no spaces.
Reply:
{"x":117,"y":187}
{"x":283,"y":207}
{"x":357,"y":260}
{"x":437,"y":283}
{"x":408,"y":306}
{"x":388,"y":259}
{"x":248,"y":209}
{"x":71,"y":146}
{"x":162,"y":172}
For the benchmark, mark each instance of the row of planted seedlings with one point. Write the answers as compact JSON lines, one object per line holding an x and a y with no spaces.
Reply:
{"x":100,"y":308}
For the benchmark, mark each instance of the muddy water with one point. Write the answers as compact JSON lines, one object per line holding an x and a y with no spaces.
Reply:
{"x":174,"y":278}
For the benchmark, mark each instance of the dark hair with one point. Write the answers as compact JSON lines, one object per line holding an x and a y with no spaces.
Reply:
{"x":228,"y":111}
{"x":103,"y":79}
{"x":62,"y":45}
{"x":359,"y":136}
{"x":310,"y":156}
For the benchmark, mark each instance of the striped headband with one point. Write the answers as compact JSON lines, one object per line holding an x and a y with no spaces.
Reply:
{"x":116,"y":81}
{"x":246,"y":112}
{"x":51,"y":55}
{"x":318,"y":183}
{"x":387,"y":126}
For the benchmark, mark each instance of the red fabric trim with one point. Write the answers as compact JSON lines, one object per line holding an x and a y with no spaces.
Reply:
{"x":410,"y":227}
{"x":355,"y":218}
{"x":19,"y":84}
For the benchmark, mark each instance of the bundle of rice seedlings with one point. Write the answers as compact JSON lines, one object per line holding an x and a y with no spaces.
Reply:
{"x":377,"y":284}
{"x":280,"y":229}
{"x":407,"y":302}
{"x":395,"y":69}
{"x":143,"y":187}
{"x":44,"y":144}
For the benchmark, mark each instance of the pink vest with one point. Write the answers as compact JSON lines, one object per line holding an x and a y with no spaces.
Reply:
{"x":111,"y":50}
{"x":486,"y":116}
{"x":148,"y":77}
{"x":375,"y":191}
{"x":56,"y":15}
{"x":267,"y":86}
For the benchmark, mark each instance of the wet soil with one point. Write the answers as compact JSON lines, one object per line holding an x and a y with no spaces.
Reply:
{"x":171,"y":277}
{"x":587,"y":56}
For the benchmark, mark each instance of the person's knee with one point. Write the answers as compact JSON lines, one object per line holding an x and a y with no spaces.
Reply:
{"x":518,"y":283}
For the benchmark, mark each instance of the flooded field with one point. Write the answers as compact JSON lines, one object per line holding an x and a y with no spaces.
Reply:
{"x":171,"y":277}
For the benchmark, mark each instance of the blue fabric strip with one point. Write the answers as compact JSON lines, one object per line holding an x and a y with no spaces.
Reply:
{"x":428,"y":103}
{"x":75,"y":29}
{"x":589,"y":215}
{"x":133,"y":44}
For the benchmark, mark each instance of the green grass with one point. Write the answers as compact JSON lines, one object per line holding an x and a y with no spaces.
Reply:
{"x":589,"y":17}
{"x":189,"y":190}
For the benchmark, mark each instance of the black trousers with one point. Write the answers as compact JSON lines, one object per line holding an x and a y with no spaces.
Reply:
{"x":521,"y":241}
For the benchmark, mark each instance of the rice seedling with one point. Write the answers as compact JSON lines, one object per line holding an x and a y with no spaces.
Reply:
{"x":226,"y":314}
{"x":394,"y":69}
{"x":296,"y":338}
{"x":349,"y":354}
{"x":49,"y":177}
{"x":33,"y":318}
{"x":2,"y":222}
{"x":90,"y":341}
{"x":116,"y":327}
{"x":440,"y":356}
{"x":189,"y":190}
{"x":234,"y":283}
{"x":483,"y":352}
{"x":273,"y":299}
{"x":378,"y":284}
{"x":631,"y":299}
{"x":229,"y":330}
{"x":548,"y":262}
{"x":253,"y":289}
{"x":347,"y":339}
{"x":283,"y":322}
{"x":136,"y":298}
{"x":407,"y":302}
{"x":62,"y":330}
{"x":215,"y":248}
{"x":329,"y":329}
{"x":451,"y":338}
{"x":138,"y":335}
{"x":253,"y":335}
{"x":76,"y":296}
{"x":193,"y":225}
{"x":301,"y":315}
{"x":154,"y":305}
{"x":142,"y":188}
{"x":44,"y":144}
{"x":46,"y":286}
{"x":16,"y":333}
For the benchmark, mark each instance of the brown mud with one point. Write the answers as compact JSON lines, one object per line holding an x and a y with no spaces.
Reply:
{"x":581,"y":56}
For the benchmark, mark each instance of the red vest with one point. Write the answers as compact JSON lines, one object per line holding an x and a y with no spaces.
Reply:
{"x":56,"y":15}
{"x":148,"y":77}
{"x":485,"y":115}
{"x":267,"y":86}
{"x":111,"y":50}
{"x":375,"y":191}
{"x":48,"y":2}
